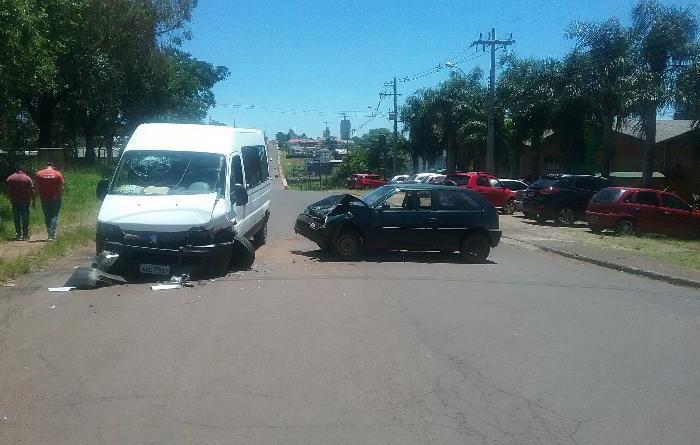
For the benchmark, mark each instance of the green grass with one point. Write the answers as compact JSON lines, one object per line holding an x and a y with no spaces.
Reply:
{"x":27,"y":263}
{"x":79,"y":205}
{"x":684,"y":252}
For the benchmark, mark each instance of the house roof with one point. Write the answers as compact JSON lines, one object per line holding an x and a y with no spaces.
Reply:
{"x":665,"y":129}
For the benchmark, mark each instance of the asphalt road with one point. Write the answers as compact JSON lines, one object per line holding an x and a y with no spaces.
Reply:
{"x":395,"y":349}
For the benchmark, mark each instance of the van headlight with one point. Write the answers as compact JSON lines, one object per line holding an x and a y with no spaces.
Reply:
{"x":198,"y":236}
{"x":109,"y":231}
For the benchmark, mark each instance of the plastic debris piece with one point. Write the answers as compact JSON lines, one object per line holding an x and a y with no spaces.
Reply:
{"x":61,"y":289}
{"x":166,"y":286}
{"x":9,"y":285}
{"x":87,"y":278}
{"x":53,"y":307}
{"x":105,"y":260}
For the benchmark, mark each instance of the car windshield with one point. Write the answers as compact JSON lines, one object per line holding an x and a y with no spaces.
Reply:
{"x":146,"y":172}
{"x":376,"y":195}
{"x":544,"y":182}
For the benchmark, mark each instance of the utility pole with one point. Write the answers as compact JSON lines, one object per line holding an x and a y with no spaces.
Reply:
{"x":490,"y":137}
{"x":395,"y":148}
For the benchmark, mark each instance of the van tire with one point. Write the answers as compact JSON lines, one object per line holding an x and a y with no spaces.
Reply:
{"x":260,"y":237}
{"x":242,"y":254}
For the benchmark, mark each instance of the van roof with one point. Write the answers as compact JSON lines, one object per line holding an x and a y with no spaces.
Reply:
{"x":191,"y":137}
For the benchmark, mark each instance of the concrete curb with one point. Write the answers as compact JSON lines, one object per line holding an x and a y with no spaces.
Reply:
{"x":280,"y":171}
{"x":619,"y":267}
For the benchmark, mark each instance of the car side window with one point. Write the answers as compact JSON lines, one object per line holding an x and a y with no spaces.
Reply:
{"x":585,"y":184}
{"x":455,"y":200}
{"x":396,"y":201}
{"x":647,"y":198}
{"x":496,"y":183}
{"x":483,"y":181}
{"x":251,"y":164}
{"x":425,"y":200}
{"x":262,"y":163}
{"x":673,"y":202}
{"x":628,"y":197}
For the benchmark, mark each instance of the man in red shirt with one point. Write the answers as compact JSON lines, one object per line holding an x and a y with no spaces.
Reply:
{"x":49,"y":181}
{"x":20,"y":190}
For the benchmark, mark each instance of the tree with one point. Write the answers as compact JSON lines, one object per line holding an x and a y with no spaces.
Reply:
{"x":527,"y":90}
{"x":664,"y":38}
{"x":687,"y":98}
{"x":599,"y":71}
{"x":419,"y":121}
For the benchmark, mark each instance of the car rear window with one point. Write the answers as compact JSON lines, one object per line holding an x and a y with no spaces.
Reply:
{"x":607,"y":196}
{"x":543,"y":183}
{"x":673,"y":202}
{"x":455,"y":200}
{"x":459,"y":179}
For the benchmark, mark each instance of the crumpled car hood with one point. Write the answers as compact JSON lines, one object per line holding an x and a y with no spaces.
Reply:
{"x":326,"y":206}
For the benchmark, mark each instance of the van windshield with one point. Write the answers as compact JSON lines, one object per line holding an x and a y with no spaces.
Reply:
{"x":169,"y":173}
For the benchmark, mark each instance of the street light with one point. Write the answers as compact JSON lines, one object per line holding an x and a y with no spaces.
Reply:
{"x":451,"y":65}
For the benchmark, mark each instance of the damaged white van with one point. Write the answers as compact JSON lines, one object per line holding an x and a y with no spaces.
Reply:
{"x":186,"y":199}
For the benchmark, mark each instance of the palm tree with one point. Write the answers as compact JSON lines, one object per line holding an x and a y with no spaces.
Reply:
{"x":664,"y":39}
{"x":604,"y":68}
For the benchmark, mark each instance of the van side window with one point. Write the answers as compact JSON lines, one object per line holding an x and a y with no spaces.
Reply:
{"x":262,"y":156}
{"x":251,"y":165}
{"x":236,"y":173}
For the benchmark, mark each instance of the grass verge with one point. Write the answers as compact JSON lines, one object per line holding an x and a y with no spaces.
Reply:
{"x":26,"y":263}
{"x":684,"y":252}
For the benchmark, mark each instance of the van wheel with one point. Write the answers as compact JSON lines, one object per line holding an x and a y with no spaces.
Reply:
{"x":509,"y":208}
{"x":260,"y":237}
{"x":566,"y":217}
{"x":348,"y":244}
{"x":242,"y":254}
{"x":624,"y":227}
{"x":476,"y":248}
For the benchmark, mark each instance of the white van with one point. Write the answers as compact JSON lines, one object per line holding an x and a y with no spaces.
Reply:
{"x":185,"y":198}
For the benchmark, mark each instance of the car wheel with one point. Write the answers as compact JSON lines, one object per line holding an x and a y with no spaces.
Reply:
{"x":566,"y":217}
{"x":260,"y":237}
{"x":509,"y":208}
{"x":242,"y":254}
{"x":529,"y":215}
{"x":348,"y":244}
{"x":624,"y":227}
{"x":476,"y":247}
{"x":541,"y":219}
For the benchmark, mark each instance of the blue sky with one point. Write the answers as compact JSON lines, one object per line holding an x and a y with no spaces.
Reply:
{"x":296,"y":64}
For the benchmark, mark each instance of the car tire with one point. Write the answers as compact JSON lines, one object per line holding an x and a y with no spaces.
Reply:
{"x":541,"y":219}
{"x":566,"y":217}
{"x":242,"y":254}
{"x":348,"y":244}
{"x":509,"y":208}
{"x":260,"y":237}
{"x":476,"y":248}
{"x":529,"y":215}
{"x":625,"y":227}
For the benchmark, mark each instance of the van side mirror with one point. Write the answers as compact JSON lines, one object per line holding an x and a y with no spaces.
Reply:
{"x":239,"y":195}
{"x":101,"y":189}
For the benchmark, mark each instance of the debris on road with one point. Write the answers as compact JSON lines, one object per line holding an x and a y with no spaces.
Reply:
{"x":175,"y":282}
{"x":88,"y":278}
{"x":61,"y":289}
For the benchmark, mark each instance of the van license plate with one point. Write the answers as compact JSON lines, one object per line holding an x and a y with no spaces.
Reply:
{"x":154,"y":269}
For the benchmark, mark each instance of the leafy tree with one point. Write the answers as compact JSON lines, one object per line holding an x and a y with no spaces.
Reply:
{"x":688,"y":92}
{"x":664,"y":37}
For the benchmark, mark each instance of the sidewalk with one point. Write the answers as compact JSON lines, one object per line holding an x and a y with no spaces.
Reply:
{"x":559,"y":240}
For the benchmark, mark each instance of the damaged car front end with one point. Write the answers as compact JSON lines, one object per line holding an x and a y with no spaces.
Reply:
{"x":321,"y":221}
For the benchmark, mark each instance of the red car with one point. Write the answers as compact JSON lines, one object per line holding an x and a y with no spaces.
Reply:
{"x":487,"y":186}
{"x":361,"y":181}
{"x":630,"y":210}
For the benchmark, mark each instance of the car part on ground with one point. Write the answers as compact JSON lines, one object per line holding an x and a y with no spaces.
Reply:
{"x":242,"y":254}
{"x":88,"y":278}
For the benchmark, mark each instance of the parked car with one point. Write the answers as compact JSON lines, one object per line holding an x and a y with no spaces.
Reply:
{"x":186,"y":199}
{"x":403,"y":216}
{"x":563,"y":198}
{"x":398,"y":179}
{"x":487,"y":186}
{"x":630,"y":210}
{"x":363,"y":181}
{"x":436,"y":179}
{"x":518,"y":187}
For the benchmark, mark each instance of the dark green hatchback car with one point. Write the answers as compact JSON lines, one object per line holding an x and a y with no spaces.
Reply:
{"x":403,"y":217}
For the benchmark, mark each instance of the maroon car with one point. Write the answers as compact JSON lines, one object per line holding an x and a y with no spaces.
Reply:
{"x":362,"y":181}
{"x":630,"y":210}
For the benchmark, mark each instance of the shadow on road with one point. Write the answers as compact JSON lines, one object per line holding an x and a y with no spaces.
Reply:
{"x":392,"y":256}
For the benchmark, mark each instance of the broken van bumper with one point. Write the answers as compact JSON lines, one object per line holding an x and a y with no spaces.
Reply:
{"x":189,"y":259}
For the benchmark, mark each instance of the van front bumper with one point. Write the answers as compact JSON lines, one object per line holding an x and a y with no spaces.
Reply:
{"x":188,"y":259}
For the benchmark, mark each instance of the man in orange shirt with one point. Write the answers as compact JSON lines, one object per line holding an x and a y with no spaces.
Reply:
{"x":49,"y":181}
{"x":20,"y":190}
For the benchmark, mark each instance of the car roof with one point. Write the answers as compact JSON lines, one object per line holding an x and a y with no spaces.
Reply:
{"x":421,"y":186}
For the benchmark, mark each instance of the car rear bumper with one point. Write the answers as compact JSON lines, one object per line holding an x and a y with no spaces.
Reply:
{"x":603,"y":220}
